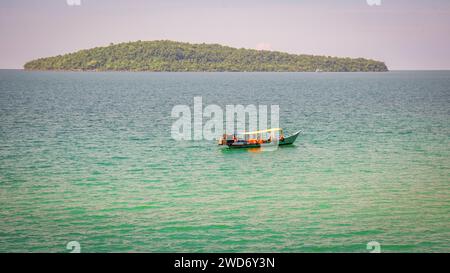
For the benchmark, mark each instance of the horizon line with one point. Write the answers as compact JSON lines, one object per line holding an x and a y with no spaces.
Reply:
{"x":390,"y":70}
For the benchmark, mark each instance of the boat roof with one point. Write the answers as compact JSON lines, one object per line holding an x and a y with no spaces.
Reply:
{"x":263,"y":131}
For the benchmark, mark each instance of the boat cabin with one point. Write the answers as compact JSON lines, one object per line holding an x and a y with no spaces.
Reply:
{"x":252,"y":138}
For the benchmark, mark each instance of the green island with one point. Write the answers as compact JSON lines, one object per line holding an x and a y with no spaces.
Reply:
{"x":179,"y":57}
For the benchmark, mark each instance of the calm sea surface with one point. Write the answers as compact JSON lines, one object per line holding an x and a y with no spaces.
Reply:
{"x":88,"y":157}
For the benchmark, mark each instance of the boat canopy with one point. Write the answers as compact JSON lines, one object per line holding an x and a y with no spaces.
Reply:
{"x":263,"y":131}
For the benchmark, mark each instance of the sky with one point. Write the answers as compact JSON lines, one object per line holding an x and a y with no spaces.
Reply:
{"x":405,"y":34}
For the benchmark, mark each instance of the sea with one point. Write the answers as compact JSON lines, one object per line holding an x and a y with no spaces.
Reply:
{"x":87,"y":159}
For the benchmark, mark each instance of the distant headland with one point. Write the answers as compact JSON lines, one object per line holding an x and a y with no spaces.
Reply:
{"x":173,"y":56}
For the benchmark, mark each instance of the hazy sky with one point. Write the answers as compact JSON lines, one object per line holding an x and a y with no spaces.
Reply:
{"x":406,"y":34}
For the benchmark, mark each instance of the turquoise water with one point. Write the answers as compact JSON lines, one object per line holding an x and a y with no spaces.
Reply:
{"x":88,"y":157}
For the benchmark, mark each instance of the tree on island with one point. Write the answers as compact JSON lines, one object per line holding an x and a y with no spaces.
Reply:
{"x":177,"y":56}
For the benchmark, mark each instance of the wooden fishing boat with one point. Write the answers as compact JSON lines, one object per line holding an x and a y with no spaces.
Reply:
{"x":257,"y":139}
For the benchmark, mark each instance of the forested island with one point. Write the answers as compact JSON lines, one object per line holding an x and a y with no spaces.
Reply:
{"x":178,"y":56}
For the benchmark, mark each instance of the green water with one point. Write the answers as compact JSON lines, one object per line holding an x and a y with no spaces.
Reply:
{"x":88,"y":157}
